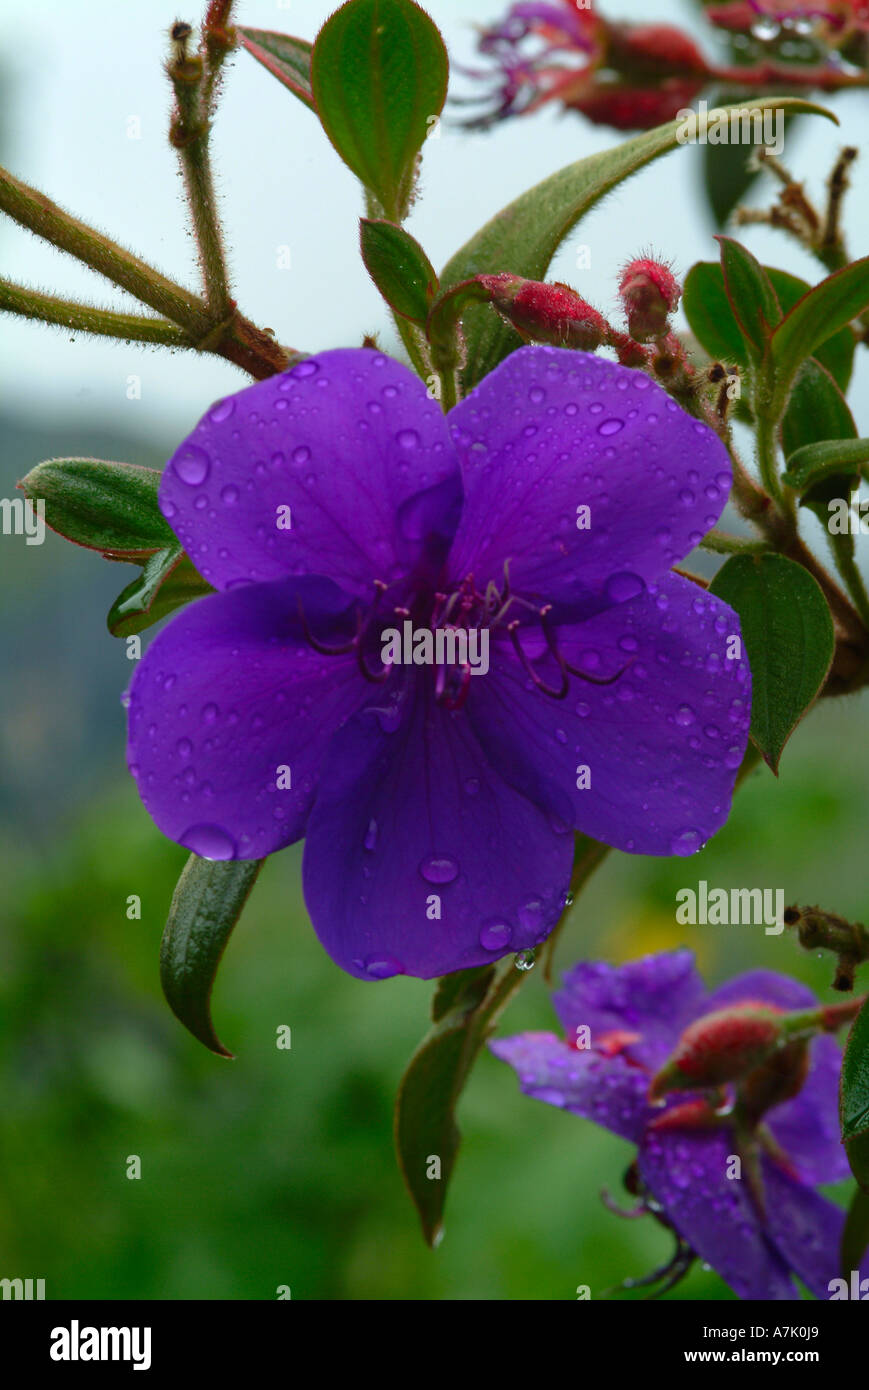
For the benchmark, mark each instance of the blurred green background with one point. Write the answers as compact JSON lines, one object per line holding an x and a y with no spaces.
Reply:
{"x":277,"y":1168}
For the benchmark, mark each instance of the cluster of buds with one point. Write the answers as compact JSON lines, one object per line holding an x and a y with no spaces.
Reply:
{"x":557,"y":315}
{"x":761,"y":1049}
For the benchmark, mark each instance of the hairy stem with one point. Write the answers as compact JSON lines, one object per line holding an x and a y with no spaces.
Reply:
{"x":88,"y":318}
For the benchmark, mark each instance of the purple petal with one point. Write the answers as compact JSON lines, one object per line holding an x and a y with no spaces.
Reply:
{"x":807,"y":1127}
{"x":552,"y":430}
{"x":662,"y":744}
{"x":347,"y":441}
{"x":411,"y":821}
{"x":806,"y":1229}
{"x":686,"y":1172}
{"x":604,"y":1089}
{"x":655,"y":997}
{"x":229,"y":693}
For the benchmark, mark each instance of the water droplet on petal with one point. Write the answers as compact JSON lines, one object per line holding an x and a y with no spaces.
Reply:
{"x":370,"y":841}
{"x":610,"y":426}
{"x":301,"y":455}
{"x":210,"y":713}
{"x":622,"y":587}
{"x":383,"y":967}
{"x":407,"y":439}
{"x":685,"y":716}
{"x":209,"y":842}
{"x":222,"y":411}
{"x":303,"y":369}
{"x":192,"y":465}
{"x":184,"y":747}
{"x":229,"y":494}
{"x":686,"y":842}
{"x":439,"y":868}
{"x":496,"y":936}
{"x":524,"y":960}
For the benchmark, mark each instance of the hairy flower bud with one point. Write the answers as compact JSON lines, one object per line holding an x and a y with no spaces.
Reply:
{"x":653,"y":50}
{"x":721,"y":1046}
{"x":553,"y":314}
{"x":649,"y":292}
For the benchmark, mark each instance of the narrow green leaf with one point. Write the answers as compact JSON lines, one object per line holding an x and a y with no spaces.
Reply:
{"x":818,"y":411}
{"x":399,"y":268}
{"x":379,"y":75}
{"x":524,"y":237}
{"x":788,"y":636}
{"x":288,"y":59}
{"x":855,"y":1233}
{"x":712,"y":322}
{"x":816,"y":461}
{"x":425,"y":1125}
{"x":752,"y":299}
{"x":729,"y":170}
{"x":205,"y":907}
{"x":110,"y":507}
{"x":837,"y":353}
{"x":709,"y":315}
{"x":854,"y":1097}
{"x":827,"y":308}
{"x":168,"y":580}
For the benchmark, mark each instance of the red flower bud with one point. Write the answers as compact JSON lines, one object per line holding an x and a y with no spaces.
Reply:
{"x":649,"y":293}
{"x":625,"y":107}
{"x":779,"y":1078}
{"x":653,"y":50}
{"x":544,"y":313}
{"x":722,"y":1046}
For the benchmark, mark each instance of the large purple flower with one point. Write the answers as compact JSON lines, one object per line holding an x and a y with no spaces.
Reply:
{"x":636,"y":1014}
{"x":335,"y":502}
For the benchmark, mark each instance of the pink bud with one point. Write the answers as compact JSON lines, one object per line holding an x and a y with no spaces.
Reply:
{"x":649,"y":292}
{"x":721,"y":1046}
{"x":545,"y":313}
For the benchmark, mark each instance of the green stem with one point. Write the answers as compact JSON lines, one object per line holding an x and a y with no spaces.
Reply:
{"x":722,"y":544}
{"x":766,"y":458}
{"x":843,"y":553}
{"x":33,"y":210}
{"x":190,"y":132}
{"x":87,"y":318}
{"x":449,"y":389}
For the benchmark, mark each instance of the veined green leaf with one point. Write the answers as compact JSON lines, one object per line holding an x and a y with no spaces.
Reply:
{"x":288,"y":59}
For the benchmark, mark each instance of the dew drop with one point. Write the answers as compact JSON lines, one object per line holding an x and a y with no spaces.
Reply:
{"x":472,"y":786}
{"x":370,"y":841}
{"x":407,"y":439}
{"x":301,"y":455}
{"x":686,"y":842}
{"x":620,"y":588}
{"x":685,"y":716}
{"x":524,"y":960}
{"x":221,"y":411}
{"x":210,"y":713}
{"x":184,"y":747}
{"x":383,"y":967}
{"x":192,"y":465}
{"x":536,"y":395}
{"x":496,"y":936}
{"x":612,"y":426}
{"x":169,"y":510}
{"x":439,"y":868}
{"x":303,"y":369}
{"x":209,"y":841}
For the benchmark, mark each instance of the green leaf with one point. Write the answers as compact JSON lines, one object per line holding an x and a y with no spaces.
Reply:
{"x":110,"y":507}
{"x":524,"y":237}
{"x":399,"y":268}
{"x":289,"y":60}
{"x":711,"y":319}
{"x":854,"y":1098}
{"x":206,"y":905}
{"x":855,"y":1233}
{"x":379,"y":75}
{"x":818,"y":411}
{"x":816,"y":461}
{"x":168,"y":580}
{"x":788,"y":636}
{"x":827,"y":308}
{"x":837,"y":353}
{"x":752,"y":299}
{"x":425,"y":1123}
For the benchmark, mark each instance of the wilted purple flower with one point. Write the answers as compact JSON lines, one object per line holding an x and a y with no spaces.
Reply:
{"x":755,"y":1235}
{"x":334,"y":503}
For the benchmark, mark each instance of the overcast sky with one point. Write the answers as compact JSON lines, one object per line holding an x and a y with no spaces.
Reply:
{"x":79,"y":73}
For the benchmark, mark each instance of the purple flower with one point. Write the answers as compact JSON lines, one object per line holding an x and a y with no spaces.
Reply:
{"x":335,"y":503}
{"x":635,"y":1014}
